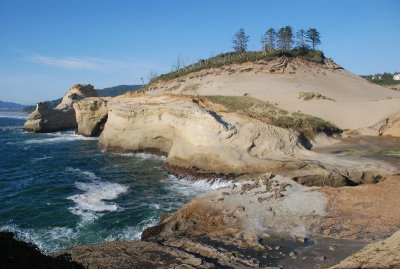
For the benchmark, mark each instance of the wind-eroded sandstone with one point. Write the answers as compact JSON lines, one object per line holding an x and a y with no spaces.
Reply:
{"x":47,"y":119}
{"x":199,"y":138}
{"x":91,"y":115}
{"x":195,"y":138}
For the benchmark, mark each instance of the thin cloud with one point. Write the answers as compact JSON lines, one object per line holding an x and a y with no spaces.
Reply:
{"x":77,"y":63}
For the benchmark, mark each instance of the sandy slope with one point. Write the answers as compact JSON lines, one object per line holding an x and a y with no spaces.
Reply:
{"x":356,"y":103}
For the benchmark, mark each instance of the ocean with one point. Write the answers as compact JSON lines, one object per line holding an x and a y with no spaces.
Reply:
{"x":59,"y":190}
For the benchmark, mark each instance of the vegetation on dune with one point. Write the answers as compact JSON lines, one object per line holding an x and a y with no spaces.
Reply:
{"x":274,"y":44}
{"x":373,"y":152}
{"x":382,"y":79}
{"x":271,"y":114}
{"x":306,"y":96}
{"x":238,"y":58}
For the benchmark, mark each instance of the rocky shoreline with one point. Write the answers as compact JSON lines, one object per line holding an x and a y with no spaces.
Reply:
{"x":287,"y":206}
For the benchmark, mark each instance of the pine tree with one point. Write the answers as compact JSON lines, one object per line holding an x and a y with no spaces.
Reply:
{"x":285,"y":38}
{"x":313,"y":37}
{"x":240,"y":40}
{"x":301,"y":39}
{"x":271,"y":36}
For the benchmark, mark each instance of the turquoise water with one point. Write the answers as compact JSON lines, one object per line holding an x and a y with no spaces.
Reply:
{"x":59,"y":190}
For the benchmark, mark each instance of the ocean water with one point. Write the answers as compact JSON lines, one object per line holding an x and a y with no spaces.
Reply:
{"x":59,"y":190}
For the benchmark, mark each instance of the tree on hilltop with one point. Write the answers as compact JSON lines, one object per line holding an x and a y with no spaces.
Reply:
{"x":314,"y":37}
{"x":301,"y":39}
{"x":240,"y":40}
{"x":285,"y":38}
{"x":269,"y":39}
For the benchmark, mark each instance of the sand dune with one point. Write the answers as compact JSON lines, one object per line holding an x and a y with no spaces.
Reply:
{"x":352,"y":102}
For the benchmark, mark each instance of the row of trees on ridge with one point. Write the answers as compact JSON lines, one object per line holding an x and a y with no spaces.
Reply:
{"x":283,"y":39}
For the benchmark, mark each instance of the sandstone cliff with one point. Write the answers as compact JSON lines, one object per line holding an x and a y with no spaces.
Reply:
{"x":200,"y":138}
{"x":195,"y":138}
{"x":47,"y":119}
{"x":91,"y":115}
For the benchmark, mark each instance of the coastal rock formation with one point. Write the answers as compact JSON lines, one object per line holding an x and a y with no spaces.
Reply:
{"x":46,"y":119}
{"x":77,"y":92}
{"x":91,"y":115}
{"x":270,"y":222}
{"x":196,"y":139}
{"x":244,"y":213}
{"x":200,"y":139}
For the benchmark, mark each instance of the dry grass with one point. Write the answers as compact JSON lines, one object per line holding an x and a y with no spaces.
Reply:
{"x":271,"y":114}
{"x":306,"y":96}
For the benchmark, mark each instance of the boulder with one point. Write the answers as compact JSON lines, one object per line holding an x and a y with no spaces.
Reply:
{"x":91,"y":115}
{"x":47,"y":119}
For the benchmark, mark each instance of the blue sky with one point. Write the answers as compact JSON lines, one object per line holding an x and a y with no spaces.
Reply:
{"x":48,"y":45}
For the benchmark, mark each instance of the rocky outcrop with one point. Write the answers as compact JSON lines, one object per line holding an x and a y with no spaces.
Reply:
{"x":196,"y":139}
{"x":76,"y":93}
{"x":91,"y":115}
{"x":46,"y":119}
{"x":199,"y":139}
{"x":270,"y":222}
{"x":246,"y":212}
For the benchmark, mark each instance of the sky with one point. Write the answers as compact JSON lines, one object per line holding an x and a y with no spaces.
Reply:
{"x":46,"y":46}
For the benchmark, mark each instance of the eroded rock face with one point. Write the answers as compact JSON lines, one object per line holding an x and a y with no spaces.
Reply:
{"x":196,"y":139}
{"x":46,"y":119}
{"x":91,"y":115}
{"x":244,"y":213}
{"x":76,"y":93}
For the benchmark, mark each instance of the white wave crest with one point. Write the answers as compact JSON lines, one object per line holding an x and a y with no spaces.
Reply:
{"x":91,"y":204}
{"x":134,"y":232}
{"x":85,"y":174}
{"x":18,"y":116}
{"x":38,"y":159}
{"x":192,"y":187}
{"x":58,"y":137}
{"x":142,"y":155}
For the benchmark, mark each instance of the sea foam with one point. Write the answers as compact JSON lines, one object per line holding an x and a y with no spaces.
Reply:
{"x":142,"y":155}
{"x":90,"y":205}
{"x":58,"y":137}
{"x":191,"y":187}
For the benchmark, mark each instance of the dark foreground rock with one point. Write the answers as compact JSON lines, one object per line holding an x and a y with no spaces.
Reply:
{"x":205,"y":252}
{"x":17,"y":254}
